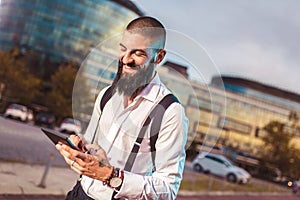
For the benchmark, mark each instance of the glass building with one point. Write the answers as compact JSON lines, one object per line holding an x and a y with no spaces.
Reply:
{"x":56,"y":31}
{"x":62,"y":30}
{"x":233,"y":113}
{"x":224,"y":113}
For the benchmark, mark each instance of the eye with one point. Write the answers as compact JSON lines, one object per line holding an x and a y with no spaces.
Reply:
{"x":122,"y":49}
{"x":140,"y":53}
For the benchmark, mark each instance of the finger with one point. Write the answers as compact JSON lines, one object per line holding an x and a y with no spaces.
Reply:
{"x":77,"y":168}
{"x":67,"y":152}
{"x":70,"y":162}
{"x":85,"y":169}
{"x":81,"y":138}
{"x":92,"y":146}
{"x":76,"y":141}
{"x":79,"y":142}
{"x":75,"y":138}
{"x":82,"y":147}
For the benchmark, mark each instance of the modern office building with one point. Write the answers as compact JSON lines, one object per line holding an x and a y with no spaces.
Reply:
{"x":233,"y":110}
{"x":62,"y":30}
{"x":230,"y":111}
{"x":250,"y":106}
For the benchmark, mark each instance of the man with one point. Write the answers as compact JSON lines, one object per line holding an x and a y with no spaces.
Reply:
{"x":114,"y":130}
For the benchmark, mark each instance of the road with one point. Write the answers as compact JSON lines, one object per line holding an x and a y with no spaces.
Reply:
{"x":26,"y":143}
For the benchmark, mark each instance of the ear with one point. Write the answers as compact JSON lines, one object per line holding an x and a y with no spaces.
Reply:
{"x":159,"y":56}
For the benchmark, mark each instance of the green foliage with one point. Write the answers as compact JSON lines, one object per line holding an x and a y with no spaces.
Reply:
{"x":20,"y":84}
{"x":60,"y":98}
{"x":30,"y":78}
{"x":192,"y":152}
{"x":278,"y":150}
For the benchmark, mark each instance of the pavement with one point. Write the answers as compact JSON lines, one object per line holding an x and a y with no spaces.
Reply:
{"x":26,"y":181}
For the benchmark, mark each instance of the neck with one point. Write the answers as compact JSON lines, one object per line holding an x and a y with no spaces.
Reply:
{"x":129,"y":99}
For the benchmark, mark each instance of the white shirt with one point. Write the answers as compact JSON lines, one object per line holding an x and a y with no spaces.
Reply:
{"x":117,"y":132}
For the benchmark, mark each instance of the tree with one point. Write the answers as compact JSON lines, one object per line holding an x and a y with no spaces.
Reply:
{"x":278,"y":151}
{"x":60,"y":98}
{"x":20,"y":84}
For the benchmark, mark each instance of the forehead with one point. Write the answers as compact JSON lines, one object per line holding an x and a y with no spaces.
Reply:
{"x":138,"y":41}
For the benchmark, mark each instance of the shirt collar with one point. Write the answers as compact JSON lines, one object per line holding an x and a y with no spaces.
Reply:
{"x":151,"y":91}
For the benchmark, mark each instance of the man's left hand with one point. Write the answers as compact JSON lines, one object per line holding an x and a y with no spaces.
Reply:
{"x":95,"y":166}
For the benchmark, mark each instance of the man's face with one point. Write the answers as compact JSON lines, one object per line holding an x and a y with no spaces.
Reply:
{"x":136,"y":60}
{"x":136,"y":52}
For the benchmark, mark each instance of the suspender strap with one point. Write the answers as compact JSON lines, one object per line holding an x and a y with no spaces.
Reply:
{"x":106,"y":96}
{"x":156,"y":124}
{"x":156,"y":115}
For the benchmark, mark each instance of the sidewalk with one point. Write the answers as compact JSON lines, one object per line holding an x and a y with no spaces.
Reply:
{"x":24,"y":180}
{"x":18,"y":178}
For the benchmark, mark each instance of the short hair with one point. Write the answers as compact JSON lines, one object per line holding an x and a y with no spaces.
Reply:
{"x":148,"y":26}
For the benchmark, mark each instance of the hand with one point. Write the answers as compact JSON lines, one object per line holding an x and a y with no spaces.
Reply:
{"x":78,"y":142}
{"x":85,"y":164}
{"x":96,"y":150}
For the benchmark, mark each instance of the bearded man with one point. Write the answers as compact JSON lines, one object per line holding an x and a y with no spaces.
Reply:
{"x":121,"y":163}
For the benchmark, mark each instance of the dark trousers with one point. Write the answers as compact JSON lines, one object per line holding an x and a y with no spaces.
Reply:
{"x":77,"y":193}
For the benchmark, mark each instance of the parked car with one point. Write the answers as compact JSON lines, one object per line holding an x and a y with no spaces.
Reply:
{"x":45,"y":119}
{"x":17,"y":111}
{"x":29,"y":115}
{"x":70,"y":126}
{"x":220,"y":166}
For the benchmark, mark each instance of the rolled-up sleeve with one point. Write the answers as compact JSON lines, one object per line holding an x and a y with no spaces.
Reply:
{"x":164,"y":183}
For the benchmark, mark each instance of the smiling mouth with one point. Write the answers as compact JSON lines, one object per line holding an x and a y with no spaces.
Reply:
{"x":128,"y":69}
{"x":131,"y":65}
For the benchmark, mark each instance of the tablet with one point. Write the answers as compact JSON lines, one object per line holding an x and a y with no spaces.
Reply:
{"x":56,"y":136}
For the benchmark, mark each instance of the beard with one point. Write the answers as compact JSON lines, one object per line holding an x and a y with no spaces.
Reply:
{"x":130,"y":84}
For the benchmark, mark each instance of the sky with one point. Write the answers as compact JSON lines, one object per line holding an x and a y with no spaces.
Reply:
{"x":254,"y":39}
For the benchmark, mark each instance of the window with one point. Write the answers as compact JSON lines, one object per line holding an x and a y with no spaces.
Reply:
{"x":230,"y":124}
{"x":204,"y":104}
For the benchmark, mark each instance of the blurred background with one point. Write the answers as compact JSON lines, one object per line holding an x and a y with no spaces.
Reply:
{"x":243,"y":102}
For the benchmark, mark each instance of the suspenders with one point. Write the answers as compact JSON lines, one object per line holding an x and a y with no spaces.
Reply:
{"x":155,"y":116}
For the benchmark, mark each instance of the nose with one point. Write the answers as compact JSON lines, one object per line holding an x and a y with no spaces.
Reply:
{"x":127,"y":58}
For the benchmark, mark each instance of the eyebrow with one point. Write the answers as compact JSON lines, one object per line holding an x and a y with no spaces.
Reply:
{"x":133,"y":50}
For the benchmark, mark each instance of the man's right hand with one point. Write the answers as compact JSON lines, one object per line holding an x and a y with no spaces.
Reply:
{"x":79,"y":142}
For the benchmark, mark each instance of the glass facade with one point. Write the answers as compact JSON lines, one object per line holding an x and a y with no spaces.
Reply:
{"x":62,"y":30}
{"x":231,"y":118}
{"x":261,"y":96}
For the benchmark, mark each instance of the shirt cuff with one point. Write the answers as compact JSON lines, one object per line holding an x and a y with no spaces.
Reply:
{"x":132,"y":186}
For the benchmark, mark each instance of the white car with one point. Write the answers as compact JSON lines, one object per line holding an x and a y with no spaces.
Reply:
{"x":29,"y":115}
{"x":70,"y":126}
{"x":220,"y":166}
{"x":17,"y":111}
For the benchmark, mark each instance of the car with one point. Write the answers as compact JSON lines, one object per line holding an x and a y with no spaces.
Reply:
{"x":17,"y":111}
{"x":70,"y":126}
{"x":29,"y":115}
{"x":45,"y":119}
{"x":220,"y":166}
